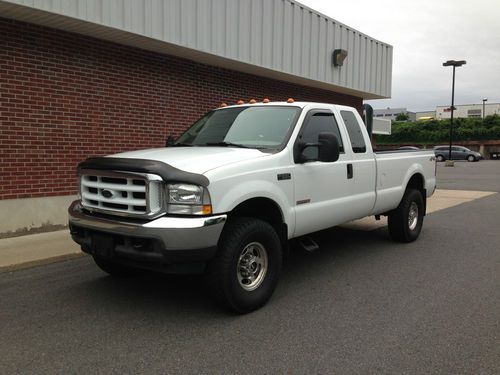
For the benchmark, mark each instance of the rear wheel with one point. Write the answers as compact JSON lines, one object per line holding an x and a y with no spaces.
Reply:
{"x":471,"y":158}
{"x":245,"y":271}
{"x":114,"y":269}
{"x":440,"y":158}
{"x":405,"y":222}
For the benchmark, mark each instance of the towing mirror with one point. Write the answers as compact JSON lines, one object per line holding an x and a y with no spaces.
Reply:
{"x":328,"y":147}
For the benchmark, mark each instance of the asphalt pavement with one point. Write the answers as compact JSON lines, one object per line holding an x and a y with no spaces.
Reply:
{"x":361,"y":304}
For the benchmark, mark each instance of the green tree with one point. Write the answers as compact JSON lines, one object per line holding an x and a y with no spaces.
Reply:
{"x":402,"y":117}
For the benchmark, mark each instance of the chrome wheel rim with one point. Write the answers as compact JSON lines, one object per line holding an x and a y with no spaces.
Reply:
{"x":252,"y":266}
{"x":413,"y":216}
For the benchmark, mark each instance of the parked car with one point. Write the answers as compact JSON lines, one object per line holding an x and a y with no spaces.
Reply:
{"x":409,"y":148}
{"x":457,"y":153}
{"x":229,"y":194}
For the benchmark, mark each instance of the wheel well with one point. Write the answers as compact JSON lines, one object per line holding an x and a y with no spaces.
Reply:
{"x":267,"y":210}
{"x":417,"y":182}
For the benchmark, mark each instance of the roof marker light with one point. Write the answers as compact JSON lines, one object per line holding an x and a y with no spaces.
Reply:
{"x":240,"y":102}
{"x":266,"y":100}
{"x":252,"y":101}
{"x":222,"y":105}
{"x":290,"y":100}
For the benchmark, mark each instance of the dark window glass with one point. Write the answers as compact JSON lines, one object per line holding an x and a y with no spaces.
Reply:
{"x":319,"y":123}
{"x":354,"y":131}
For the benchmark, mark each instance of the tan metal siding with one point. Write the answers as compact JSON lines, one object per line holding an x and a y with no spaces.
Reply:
{"x":279,"y":35}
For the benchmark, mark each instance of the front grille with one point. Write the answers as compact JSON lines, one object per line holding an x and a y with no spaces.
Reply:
{"x":121,"y":193}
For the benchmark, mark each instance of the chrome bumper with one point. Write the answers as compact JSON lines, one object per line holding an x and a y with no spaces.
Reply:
{"x":173,"y":233}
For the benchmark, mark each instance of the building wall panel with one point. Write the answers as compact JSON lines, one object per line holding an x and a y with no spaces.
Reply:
{"x":280,"y":35}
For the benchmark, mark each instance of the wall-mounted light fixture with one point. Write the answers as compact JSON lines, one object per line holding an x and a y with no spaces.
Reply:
{"x":339,"y":56}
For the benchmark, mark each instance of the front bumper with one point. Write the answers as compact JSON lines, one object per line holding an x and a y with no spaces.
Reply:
{"x":166,"y":240}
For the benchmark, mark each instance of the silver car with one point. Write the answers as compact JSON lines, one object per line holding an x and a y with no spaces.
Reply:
{"x":457,"y":153}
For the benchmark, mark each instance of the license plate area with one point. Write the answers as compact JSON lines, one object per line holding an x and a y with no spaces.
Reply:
{"x":103,"y":245}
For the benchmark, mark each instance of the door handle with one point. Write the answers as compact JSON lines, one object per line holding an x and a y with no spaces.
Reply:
{"x":350,"y":172}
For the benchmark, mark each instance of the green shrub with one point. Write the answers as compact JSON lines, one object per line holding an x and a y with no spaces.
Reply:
{"x":438,"y":131}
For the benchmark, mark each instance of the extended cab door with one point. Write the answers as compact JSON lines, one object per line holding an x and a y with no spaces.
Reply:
{"x":364,"y":171}
{"x":323,"y":191}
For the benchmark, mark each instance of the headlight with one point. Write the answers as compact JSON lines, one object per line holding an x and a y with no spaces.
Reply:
{"x":186,"y":199}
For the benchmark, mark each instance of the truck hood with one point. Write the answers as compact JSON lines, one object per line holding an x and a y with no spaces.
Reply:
{"x":195,"y":159}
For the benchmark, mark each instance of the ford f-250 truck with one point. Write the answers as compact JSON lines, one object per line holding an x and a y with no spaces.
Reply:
{"x":242,"y":181}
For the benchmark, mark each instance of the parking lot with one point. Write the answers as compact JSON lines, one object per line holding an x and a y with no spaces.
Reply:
{"x":360,"y":304}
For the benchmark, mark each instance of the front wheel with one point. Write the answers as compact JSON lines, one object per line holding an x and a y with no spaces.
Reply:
{"x":246,"y":269}
{"x":471,"y":158}
{"x":405,"y":222}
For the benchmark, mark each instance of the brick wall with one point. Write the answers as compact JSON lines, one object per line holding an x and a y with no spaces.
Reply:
{"x":64,"y":97}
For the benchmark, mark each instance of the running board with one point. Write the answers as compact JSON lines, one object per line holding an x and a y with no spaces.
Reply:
{"x":308,"y":244}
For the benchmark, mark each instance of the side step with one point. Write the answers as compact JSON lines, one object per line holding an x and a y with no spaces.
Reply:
{"x":308,"y":244}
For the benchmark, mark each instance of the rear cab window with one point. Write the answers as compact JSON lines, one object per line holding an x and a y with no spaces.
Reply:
{"x":354,"y":131}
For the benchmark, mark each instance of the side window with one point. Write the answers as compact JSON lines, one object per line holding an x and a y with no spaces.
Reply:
{"x":320,"y":122}
{"x":354,"y":131}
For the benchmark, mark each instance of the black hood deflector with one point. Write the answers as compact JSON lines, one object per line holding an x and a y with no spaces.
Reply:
{"x":164,"y":170}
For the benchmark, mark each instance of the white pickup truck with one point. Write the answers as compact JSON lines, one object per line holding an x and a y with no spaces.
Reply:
{"x":228,"y":196}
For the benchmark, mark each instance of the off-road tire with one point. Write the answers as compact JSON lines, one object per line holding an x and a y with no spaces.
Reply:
{"x":401,"y":227}
{"x":222,"y":272}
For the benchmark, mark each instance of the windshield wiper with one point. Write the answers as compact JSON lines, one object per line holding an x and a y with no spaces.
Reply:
{"x":227,"y":144}
{"x":182,"y":145}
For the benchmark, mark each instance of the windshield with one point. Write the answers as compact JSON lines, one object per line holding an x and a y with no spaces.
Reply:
{"x":253,"y":127}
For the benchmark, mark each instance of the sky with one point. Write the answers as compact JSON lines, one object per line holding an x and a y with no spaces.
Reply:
{"x":424,"y":34}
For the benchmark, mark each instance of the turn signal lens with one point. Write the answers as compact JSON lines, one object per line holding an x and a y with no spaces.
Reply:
{"x":206,"y":209}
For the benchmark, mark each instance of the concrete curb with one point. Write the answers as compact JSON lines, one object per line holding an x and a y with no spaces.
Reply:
{"x":41,"y":262}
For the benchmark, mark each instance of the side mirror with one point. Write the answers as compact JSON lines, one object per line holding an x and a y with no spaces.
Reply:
{"x":329,"y":148}
{"x":170,"y":141}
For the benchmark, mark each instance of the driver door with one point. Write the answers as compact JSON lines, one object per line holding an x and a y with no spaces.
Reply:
{"x":322,"y":189}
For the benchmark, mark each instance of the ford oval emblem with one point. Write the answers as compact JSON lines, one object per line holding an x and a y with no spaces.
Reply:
{"x":107,"y":193}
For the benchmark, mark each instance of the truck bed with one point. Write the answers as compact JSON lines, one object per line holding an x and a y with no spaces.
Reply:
{"x":394,"y":169}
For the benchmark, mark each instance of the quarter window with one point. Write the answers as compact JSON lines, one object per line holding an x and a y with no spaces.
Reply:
{"x":354,"y":131}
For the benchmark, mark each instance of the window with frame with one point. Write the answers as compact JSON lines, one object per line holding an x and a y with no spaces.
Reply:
{"x":319,"y":122}
{"x":354,"y":131}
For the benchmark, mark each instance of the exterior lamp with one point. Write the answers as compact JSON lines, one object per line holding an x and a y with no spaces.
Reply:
{"x":454,"y":64}
{"x":339,"y":55}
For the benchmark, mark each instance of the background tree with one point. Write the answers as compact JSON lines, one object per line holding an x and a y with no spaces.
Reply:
{"x":402,"y":117}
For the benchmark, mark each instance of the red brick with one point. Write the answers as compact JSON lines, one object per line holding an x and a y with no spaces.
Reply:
{"x":66,"y":97}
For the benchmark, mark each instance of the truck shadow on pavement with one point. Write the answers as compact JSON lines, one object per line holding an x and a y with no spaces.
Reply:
{"x":186,"y":293}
